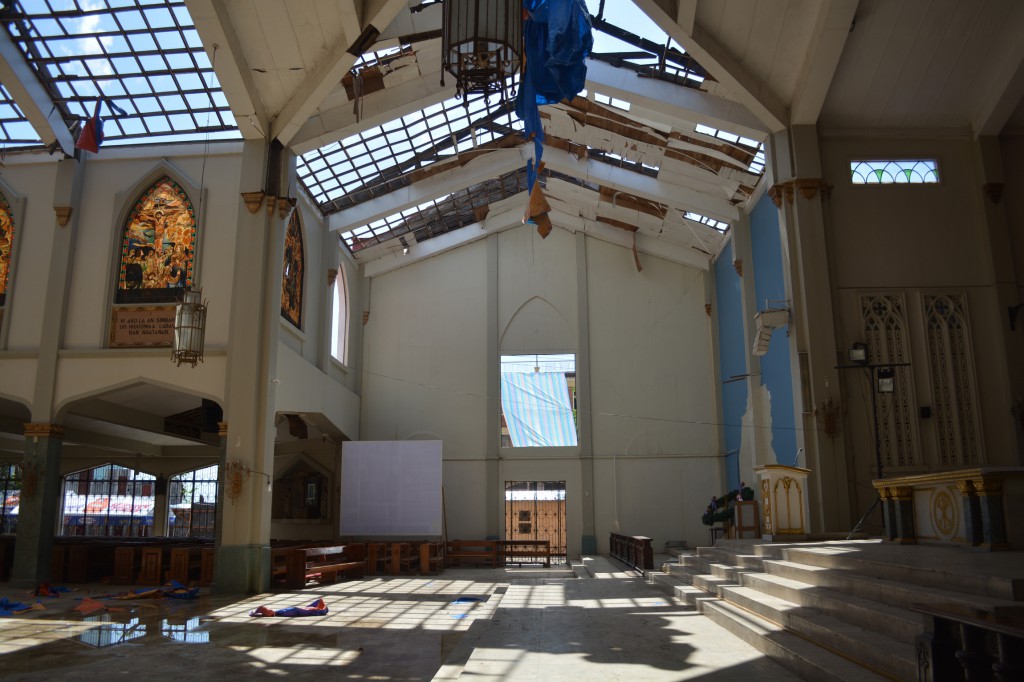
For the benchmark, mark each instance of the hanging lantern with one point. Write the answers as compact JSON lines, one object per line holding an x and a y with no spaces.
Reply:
{"x":189,"y":328}
{"x":481,"y":43}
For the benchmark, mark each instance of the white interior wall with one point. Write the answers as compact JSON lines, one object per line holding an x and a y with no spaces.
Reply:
{"x":426,"y":365}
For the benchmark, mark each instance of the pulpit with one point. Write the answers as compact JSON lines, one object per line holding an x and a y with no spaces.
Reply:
{"x":784,"y":507}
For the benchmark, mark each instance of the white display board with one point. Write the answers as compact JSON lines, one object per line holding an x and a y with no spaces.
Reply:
{"x":391,"y":488}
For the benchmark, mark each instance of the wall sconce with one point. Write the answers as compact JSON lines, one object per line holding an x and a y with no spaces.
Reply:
{"x":189,"y":328}
{"x":236,"y":474}
{"x":886,"y":380}
{"x":858,"y":353}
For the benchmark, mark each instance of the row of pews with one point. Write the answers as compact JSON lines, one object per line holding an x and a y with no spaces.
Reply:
{"x":294,"y":564}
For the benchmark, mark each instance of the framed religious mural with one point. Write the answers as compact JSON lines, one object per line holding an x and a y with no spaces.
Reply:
{"x":157,"y":246}
{"x":6,"y":242}
{"x":294,"y":266}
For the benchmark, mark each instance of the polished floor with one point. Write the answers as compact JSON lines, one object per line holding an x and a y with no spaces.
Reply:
{"x":593,"y":621}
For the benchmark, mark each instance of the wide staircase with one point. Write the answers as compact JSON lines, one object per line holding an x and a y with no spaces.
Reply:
{"x":840,"y":610}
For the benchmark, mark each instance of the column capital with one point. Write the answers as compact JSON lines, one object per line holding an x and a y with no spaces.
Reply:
{"x":222,"y":429}
{"x":43,"y":430}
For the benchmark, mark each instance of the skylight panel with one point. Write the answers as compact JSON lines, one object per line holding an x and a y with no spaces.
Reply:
{"x":710,"y":222}
{"x":17,"y":131}
{"x":401,"y":145}
{"x":129,"y":52}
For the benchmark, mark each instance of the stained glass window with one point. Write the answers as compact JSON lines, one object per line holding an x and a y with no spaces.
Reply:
{"x":158,"y":248}
{"x":894,"y":171}
{"x":6,"y":240}
{"x":294,"y":265}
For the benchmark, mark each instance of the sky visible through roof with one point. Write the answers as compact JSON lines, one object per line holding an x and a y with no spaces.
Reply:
{"x":146,"y":58}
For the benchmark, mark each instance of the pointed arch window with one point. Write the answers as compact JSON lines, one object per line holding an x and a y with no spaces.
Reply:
{"x":339,"y":318}
{"x":158,"y":246}
{"x":294,"y":269}
{"x":6,"y":242}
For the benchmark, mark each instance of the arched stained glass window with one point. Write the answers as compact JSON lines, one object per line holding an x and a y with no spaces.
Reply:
{"x":158,"y":247}
{"x":6,"y":241}
{"x":894,"y":172}
{"x":294,"y":265}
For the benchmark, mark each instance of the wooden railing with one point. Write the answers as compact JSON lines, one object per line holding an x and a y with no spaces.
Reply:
{"x":634,"y":550}
{"x":970,"y":644}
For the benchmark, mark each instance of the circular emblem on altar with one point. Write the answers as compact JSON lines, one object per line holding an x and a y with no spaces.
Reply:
{"x":944,"y":513}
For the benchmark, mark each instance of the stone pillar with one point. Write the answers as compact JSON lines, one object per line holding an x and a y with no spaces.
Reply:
{"x":40,"y":497}
{"x":903,"y":511}
{"x":993,"y":519}
{"x":588,"y":540}
{"x":800,"y":192}
{"x":973,"y":532}
{"x":160,"y":507}
{"x":243,"y":555}
{"x":888,"y":513}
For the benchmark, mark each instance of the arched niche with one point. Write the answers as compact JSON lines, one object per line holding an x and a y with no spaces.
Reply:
{"x":537,"y":327}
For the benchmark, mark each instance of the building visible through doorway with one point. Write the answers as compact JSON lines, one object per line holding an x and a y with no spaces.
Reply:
{"x":535,"y":510}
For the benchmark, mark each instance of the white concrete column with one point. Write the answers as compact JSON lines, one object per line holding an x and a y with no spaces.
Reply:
{"x":800,"y":193}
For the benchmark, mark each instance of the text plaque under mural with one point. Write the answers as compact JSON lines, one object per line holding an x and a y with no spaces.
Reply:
{"x":149,"y":327}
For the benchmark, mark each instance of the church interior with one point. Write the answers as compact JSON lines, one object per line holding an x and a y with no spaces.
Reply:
{"x":281,"y":275}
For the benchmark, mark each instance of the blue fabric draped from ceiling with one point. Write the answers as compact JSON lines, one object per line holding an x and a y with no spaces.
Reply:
{"x":537,"y":409}
{"x":557,"y":39}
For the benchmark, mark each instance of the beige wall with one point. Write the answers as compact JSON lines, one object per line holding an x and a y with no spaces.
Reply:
{"x":427,"y":361}
{"x":913,"y":240}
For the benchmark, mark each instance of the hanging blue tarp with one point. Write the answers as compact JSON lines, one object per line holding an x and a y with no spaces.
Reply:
{"x":537,"y":409}
{"x":556,"y":42}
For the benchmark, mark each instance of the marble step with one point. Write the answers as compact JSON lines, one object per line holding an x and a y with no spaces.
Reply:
{"x":795,"y":653}
{"x":900,"y":593}
{"x":892,"y":621}
{"x":933,"y":575}
{"x":865,"y":645}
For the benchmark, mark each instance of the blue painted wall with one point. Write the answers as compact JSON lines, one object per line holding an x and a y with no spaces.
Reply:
{"x":732,"y":354}
{"x":769,"y":283}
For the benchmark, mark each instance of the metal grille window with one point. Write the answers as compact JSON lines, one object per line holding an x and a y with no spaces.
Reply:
{"x":145,"y":56}
{"x":192,"y":498}
{"x":10,"y":493}
{"x":535,"y":510}
{"x":108,"y":501}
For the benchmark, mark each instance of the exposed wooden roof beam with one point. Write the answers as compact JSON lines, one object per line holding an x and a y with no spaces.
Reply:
{"x":727,"y":69}
{"x":328,"y":72}
{"x":214,"y":26}
{"x":20,"y":80}
{"x":831,"y":28}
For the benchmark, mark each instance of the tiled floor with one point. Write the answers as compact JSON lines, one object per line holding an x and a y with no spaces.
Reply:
{"x":496,"y":624}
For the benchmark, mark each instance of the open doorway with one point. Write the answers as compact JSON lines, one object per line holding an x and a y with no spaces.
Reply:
{"x":535,"y":510}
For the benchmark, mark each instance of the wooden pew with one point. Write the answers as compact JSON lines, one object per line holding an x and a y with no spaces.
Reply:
{"x":431,"y":557}
{"x":459,"y":552}
{"x":516,"y":551}
{"x":299,"y":565}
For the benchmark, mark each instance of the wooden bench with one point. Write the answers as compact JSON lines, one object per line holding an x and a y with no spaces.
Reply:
{"x":459,"y":552}
{"x":299,"y":565}
{"x":521,"y":552}
{"x":431,"y":557}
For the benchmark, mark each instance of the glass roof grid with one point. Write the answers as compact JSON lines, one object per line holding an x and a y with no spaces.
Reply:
{"x":17,"y":131}
{"x":413,"y":141}
{"x":130,"y":52}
